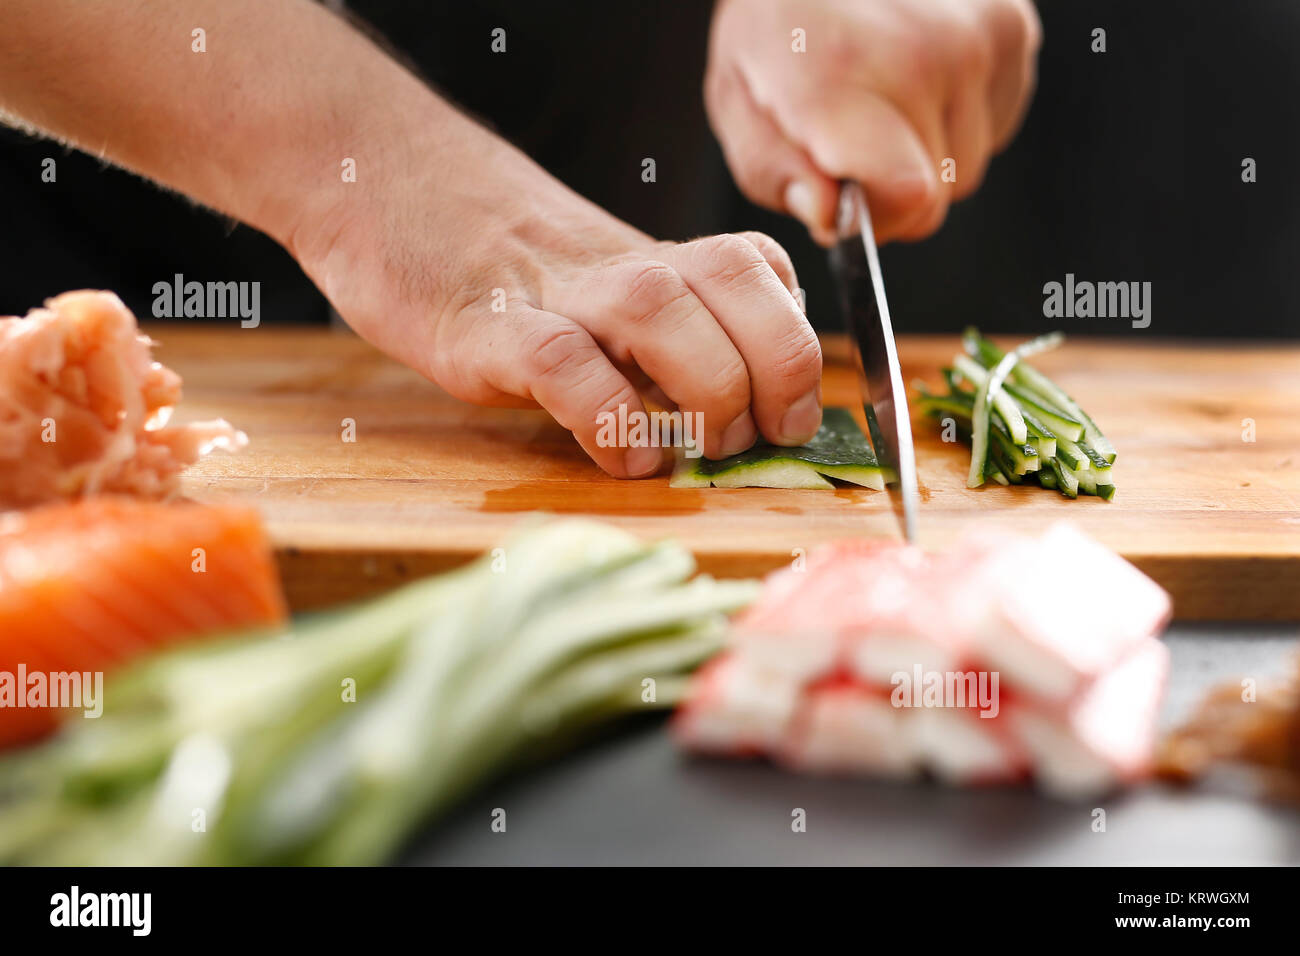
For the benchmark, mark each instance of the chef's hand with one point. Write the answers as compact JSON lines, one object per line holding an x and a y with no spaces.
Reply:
{"x":882,"y":91}
{"x":490,"y":277}
{"x":436,"y":240}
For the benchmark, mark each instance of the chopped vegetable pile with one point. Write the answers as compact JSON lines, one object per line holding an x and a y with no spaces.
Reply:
{"x":329,"y":743}
{"x":1022,"y":427}
{"x":839,"y":450}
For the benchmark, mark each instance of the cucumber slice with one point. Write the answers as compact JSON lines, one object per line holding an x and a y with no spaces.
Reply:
{"x":1005,"y":406}
{"x":1023,"y":457}
{"x":1040,"y":436}
{"x":1004,"y":466}
{"x":839,"y":450}
{"x":1061,"y":423}
{"x":1088,"y":483}
{"x":1072,"y":455}
{"x":1066,"y":481}
{"x":1100,"y":464}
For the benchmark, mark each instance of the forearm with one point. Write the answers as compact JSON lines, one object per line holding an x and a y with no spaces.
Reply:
{"x":258,"y":126}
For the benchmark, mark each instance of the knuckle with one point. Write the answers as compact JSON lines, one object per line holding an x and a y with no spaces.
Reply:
{"x":610,"y":399}
{"x":770,"y":249}
{"x":730,"y":387}
{"x":728,"y":259}
{"x":555,"y":349}
{"x":798,"y":355}
{"x":653,"y":289}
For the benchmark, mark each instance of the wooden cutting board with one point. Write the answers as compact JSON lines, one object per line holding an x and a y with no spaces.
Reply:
{"x":430,"y":482}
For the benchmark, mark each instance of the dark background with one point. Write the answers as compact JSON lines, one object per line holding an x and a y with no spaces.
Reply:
{"x":1128,"y":167}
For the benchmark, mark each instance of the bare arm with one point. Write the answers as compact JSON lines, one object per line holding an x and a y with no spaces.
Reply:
{"x":451,"y":250}
{"x":257,"y":126}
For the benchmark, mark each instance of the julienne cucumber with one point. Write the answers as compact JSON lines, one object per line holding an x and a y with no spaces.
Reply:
{"x":839,"y":450}
{"x":988,"y":355}
{"x":1062,"y":448}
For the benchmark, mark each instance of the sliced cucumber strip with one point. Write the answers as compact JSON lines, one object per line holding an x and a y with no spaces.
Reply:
{"x":1100,"y":464}
{"x":1066,"y":482}
{"x":1008,"y":470}
{"x":1089,"y":485}
{"x":1038,"y":383}
{"x":1005,"y":405}
{"x":1072,"y":455}
{"x":1061,"y":448}
{"x":1023,"y":457}
{"x":1040,"y":436}
{"x":1060,"y":423}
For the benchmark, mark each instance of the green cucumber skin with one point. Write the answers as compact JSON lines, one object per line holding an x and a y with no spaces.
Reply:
{"x":1066,"y":483}
{"x":839,"y":450}
{"x":1071,"y":455}
{"x":839,"y":441}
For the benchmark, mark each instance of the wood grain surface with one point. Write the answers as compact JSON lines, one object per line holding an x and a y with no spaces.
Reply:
{"x":430,"y":482}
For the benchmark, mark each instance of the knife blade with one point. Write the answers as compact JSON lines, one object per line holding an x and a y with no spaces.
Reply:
{"x":856,"y":264}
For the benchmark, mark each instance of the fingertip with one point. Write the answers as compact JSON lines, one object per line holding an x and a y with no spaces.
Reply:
{"x":642,"y":461}
{"x":800,"y":202}
{"x":811,"y":199}
{"x":823,"y":237}
{"x":801,"y":420}
{"x":738,"y":436}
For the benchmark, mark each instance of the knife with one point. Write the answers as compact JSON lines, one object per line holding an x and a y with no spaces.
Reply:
{"x":856,"y":264}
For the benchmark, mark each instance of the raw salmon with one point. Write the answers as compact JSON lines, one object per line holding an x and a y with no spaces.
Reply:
{"x":84,"y":407}
{"x":88,"y":584}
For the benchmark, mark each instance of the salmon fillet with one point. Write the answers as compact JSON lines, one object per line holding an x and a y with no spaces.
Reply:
{"x":84,"y":407}
{"x":88,"y":584}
